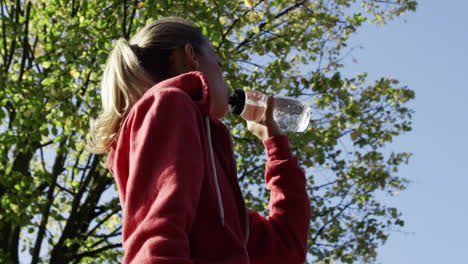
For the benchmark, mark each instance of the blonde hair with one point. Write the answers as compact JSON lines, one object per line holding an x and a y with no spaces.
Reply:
{"x":133,"y":67}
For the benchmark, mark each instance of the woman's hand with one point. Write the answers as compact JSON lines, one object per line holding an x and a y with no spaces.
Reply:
{"x":267,"y":127}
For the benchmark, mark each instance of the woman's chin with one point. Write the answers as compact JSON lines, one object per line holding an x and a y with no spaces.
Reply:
{"x":220,"y":113}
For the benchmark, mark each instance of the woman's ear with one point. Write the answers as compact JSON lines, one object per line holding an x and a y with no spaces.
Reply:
{"x":192,"y":61}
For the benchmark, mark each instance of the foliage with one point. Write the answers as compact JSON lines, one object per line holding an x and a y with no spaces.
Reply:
{"x":58,"y":203}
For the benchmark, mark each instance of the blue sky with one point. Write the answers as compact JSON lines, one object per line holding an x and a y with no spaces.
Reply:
{"x":428,"y":53}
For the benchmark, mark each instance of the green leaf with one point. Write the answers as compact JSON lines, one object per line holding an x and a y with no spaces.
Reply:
{"x":46,"y":64}
{"x":48,"y":81}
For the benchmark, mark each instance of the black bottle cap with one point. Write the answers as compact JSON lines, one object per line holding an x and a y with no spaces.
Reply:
{"x":237,"y":102}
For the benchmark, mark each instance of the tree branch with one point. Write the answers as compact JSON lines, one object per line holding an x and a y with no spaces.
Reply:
{"x":225,"y":34}
{"x":94,"y":252}
{"x":320,"y":231}
{"x":387,"y":2}
{"x":104,"y":238}
{"x":124,"y":20}
{"x":42,"y":159}
{"x":57,"y":169}
{"x":262,"y":25}
{"x":4,"y":34}
{"x":251,"y":63}
{"x":323,"y":185}
{"x":9,"y":57}
{"x":100,"y":223}
{"x":77,"y":162}
{"x":217,"y":10}
{"x":64,"y":189}
{"x":132,"y":17}
{"x":25,"y":41}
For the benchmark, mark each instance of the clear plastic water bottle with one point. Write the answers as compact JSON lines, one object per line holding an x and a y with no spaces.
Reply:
{"x":289,"y":113}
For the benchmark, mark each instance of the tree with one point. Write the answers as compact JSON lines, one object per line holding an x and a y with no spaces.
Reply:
{"x":58,"y":203}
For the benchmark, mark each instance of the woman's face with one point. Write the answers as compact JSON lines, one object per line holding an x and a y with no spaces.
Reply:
{"x":208,"y":63}
{"x":210,"y":66}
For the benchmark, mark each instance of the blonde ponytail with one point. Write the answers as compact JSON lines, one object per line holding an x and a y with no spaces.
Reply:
{"x":134,"y":67}
{"x":124,"y":81}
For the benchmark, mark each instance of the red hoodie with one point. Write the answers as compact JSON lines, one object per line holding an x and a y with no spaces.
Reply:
{"x":176,"y":176}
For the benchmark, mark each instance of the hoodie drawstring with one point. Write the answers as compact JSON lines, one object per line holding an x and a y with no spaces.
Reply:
{"x":213,"y":169}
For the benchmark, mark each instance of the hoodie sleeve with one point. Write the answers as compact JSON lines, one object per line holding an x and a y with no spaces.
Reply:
{"x":281,"y":237}
{"x":165,"y":177}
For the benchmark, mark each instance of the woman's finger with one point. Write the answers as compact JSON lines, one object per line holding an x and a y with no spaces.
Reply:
{"x":268,"y":116}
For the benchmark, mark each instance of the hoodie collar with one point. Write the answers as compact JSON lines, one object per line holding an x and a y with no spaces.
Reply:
{"x":194,"y":84}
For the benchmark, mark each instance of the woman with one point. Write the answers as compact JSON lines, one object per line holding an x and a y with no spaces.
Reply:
{"x":163,"y":94}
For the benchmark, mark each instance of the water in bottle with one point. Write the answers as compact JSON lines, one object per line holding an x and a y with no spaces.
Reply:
{"x":289,"y":113}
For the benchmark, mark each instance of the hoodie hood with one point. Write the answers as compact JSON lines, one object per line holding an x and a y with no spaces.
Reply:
{"x":194,"y":84}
